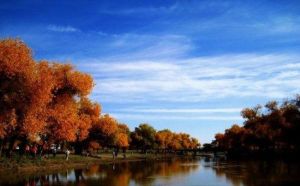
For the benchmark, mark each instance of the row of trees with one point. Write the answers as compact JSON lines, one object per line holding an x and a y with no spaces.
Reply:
{"x":47,"y":103}
{"x":273,"y":127}
{"x":146,"y":137}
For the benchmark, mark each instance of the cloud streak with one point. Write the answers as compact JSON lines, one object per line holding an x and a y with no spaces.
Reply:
{"x":191,"y":80}
{"x":58,"y":28}
{"x":143,"y":117}
{"x":202,"y":110}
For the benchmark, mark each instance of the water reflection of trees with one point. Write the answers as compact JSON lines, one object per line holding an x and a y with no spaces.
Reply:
{"x":153,"y":172}
{"x":141,"y":173}
{"x":258,"y":172}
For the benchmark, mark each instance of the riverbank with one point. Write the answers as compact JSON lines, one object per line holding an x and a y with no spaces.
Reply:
{"x":59,"y":162}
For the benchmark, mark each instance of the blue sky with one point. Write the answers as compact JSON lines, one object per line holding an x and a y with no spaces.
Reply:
{"x":190,"y":66}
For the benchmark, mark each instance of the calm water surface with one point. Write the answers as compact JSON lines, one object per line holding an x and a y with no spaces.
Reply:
{"x":187,"y":172}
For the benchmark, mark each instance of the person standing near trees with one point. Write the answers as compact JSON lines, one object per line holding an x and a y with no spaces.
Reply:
{"x":45,"y":151}
{"x":54,"y":151}
{"x":27,"y":150}
{"x":124,"y":153}
{"x":114,"y":154}
{"x":34,"y":150}
{"x":67,"y":154}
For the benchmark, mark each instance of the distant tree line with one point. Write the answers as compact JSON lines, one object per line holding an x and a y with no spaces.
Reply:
{"x":146,"y":137}
{"x":46,"y":104}
{"x":273,"y":128}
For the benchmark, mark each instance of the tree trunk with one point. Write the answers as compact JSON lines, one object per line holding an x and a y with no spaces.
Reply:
{"x":1,"y":146}
{"x":78,"y":147}
{"x":11,"y":146}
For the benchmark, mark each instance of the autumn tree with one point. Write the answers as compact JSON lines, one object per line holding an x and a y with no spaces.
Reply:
{"x":104,"y":130}
{"x":122,"y":137}
{"x":109,"y":133}
{"x":69,"y":116}
{"x":274,"y":128}
{"x":40,"y":100}
{"x":143,"y":137}
{"x":164,"y":139}
{"x":25,"y":91}
{"x":88,"y":114}
{"x":170,"y":141}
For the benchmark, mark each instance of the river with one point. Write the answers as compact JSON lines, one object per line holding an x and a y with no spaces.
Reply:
{"x":174,"y":172}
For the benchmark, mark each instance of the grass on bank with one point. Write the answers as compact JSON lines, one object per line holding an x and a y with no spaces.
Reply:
{"x":28,"y":162}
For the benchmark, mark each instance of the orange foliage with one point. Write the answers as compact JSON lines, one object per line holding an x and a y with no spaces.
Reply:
{"x":164,"y":138}
{"x":123,"y":128}
{"x":63,"y":119}
{"x":108,"y":125}
{"x":169,"y":140}
{"x":42,"y":96}
{"x":88,"y":114}
{"x":175,"y":143}
{"x":8,"y":123}
{"x":16,"y":58}
{"x":94,"y":145}
{"x":122,"y":136}
{"x":122,"y":140}
{"x":82,"y":83}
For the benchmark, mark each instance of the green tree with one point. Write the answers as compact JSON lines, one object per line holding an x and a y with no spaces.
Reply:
{"x":143,"y":137}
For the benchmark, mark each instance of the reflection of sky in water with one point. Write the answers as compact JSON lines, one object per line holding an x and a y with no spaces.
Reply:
{"x":197,"y":176}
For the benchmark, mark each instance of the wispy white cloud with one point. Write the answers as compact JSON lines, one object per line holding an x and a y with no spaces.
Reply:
{"x":143,"y":46}
{"x":232,"y":18}
{"x":269,"y":76}
{"x":276,"y":25}
{"x":143,"y":10}
{"x":192,"y":110}
{"x":177,"y":7}
{"x":143,"y":117}
{"x":59,"y":28}
{"x":152,"y":114}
